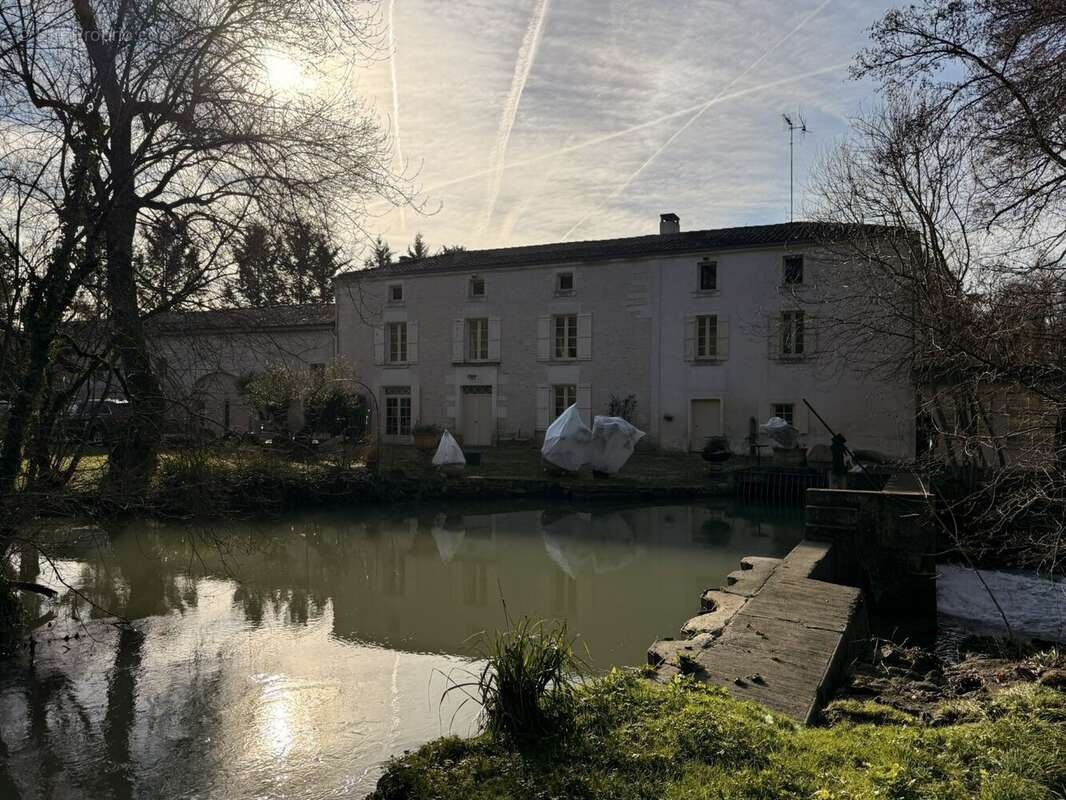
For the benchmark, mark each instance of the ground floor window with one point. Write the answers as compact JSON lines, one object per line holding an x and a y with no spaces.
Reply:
{"x":565,"y":396}
{"x":397,"y":410}
{"x":786,"y":411}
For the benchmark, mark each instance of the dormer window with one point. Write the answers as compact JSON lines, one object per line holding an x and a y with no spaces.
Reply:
{"x":708,"y":275}
{"x":477,"y":287}
{"x":564,"y":282}
{"x":793,"y":270}
{"x":396,"y":293}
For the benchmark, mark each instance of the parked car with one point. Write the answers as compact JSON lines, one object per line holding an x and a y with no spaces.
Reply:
{"x":97,"y":421}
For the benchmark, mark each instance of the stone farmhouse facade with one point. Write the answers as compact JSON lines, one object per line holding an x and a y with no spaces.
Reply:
{"x":205,"y":358}
{"x":706,"y":332}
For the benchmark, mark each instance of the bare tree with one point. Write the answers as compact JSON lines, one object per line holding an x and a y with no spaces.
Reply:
{"x":951,"y":199}
{"x":175,"y":99}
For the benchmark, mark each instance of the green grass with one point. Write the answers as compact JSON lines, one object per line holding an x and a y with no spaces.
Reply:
{"x":632,"y":738}
{"x":646,"y":468}
{"x":525,"y":688}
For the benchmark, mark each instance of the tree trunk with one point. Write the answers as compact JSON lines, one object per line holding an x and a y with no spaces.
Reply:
{"x":136,"y":449}
{"x":24,"y":403}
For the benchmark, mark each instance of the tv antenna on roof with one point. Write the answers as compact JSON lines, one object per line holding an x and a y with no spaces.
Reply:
{"x":800,"y":126}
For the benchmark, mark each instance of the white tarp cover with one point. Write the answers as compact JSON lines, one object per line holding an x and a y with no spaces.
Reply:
{"x":448,"y":451}
{"x":613,"y":440}
{"x":781,"y":435}
{"x":567,"y":441}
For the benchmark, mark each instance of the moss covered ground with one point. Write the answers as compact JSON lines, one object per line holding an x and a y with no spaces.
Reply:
{"x":632,"y":738}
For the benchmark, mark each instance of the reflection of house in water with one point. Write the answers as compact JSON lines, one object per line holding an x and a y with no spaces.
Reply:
{"x":428,"y":583}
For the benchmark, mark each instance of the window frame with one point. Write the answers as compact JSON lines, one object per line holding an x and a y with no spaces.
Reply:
{"x":559,"y":288}
{"x":793,"y":333}
{"x":708,"y":337}
{"x":712,"y":265}
{"x":391,"y":299}
{"x":402,"y":342}
{"x":567,"y":389}
{"x":476,"y":280}
{"x":791,"y":418}
{"x":482,"y":326}
{"x":395,"y":408}
{"x":564,"y":348}
{"x":786,"y":270}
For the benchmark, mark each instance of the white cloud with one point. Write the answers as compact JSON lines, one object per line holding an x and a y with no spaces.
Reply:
{"x":602,"y":67}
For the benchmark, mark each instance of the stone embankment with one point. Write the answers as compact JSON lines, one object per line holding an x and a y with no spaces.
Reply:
{"x":779,"y":632}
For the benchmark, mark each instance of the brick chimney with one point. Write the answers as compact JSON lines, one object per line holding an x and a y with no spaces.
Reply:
{"x":669,"y":223}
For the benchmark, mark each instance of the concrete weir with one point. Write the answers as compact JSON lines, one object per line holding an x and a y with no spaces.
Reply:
{"x":777,"y":633}
{"x":780,"y":630}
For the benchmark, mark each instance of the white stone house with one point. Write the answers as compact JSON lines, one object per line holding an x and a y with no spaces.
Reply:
{"x":205,"y":358}
{"x":710,"y":331}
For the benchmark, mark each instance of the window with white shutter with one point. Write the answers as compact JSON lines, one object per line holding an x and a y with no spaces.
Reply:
{"x":564,"y":337}
{"x":477,"y":339}
{"x":396,"y":343}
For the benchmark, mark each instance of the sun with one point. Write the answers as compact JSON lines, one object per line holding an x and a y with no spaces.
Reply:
{"x":283,"y":73}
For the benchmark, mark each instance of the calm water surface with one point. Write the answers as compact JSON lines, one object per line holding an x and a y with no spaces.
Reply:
{"x":291,"y":658}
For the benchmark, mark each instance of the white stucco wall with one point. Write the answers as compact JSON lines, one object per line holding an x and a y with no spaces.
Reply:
{"x":614,"y":298}
{"x":204,"y":370}
{"x":638,"y":309}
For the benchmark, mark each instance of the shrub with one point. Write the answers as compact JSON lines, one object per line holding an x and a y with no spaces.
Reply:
{"x":526,"y":688}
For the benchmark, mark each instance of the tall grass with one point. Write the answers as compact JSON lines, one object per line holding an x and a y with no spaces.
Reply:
{"x":526,"y":688}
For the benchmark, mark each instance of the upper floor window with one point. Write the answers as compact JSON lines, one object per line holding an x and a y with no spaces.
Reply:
{"x":396,"y":293}
{"x":565,"y":336}
{"x":793,"y":270}
{"x":477,"y":287}
{"x":707,"y":336}
{"x":786,"y":411}
{"x":792,"y":332}
{"x":564,"y":282}
{"x":396,"y":342}
{"x":477,"y":339}
{"x":708,"y":276}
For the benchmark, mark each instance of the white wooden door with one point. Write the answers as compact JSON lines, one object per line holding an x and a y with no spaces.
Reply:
{"x":477,"y":416}
{"x":706,"y":420}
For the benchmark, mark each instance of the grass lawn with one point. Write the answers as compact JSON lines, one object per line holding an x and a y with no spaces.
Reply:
{"x":632,"y":738}
{"x":646,"y":467}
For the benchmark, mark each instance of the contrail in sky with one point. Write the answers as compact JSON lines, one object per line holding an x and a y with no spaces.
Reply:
{"x":523,"y":64}
{"x":699,"y":112}
{"x":395,"y":102}
{"x":607,"y":137}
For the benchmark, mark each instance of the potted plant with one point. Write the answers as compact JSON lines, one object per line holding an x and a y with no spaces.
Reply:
{"x":426,"y":436}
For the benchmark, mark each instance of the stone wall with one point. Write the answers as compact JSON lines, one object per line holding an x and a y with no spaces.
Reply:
{"x":884,"y":542}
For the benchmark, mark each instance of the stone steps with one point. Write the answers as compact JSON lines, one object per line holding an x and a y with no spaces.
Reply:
{"x":775,"y":633}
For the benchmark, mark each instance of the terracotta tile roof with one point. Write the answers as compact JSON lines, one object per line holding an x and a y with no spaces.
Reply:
{"x":607,"y":249}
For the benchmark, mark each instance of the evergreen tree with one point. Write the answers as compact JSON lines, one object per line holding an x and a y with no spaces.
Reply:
{"x":380,"y":256}
{"x":168,"y":265}
{"x":310,"y":261}
{"x":418,"y":248}
{"x":258,"y":281}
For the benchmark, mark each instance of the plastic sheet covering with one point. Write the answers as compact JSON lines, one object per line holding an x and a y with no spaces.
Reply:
{"x":448,"y":451}
{"x":613,"y":440}
{"x":781,"y":435}
{"x":567,"y":441}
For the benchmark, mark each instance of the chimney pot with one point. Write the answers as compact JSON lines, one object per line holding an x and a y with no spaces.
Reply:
{"x":669,"y":223}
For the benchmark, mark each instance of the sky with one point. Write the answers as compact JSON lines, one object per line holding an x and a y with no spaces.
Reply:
{"x":531,"y":121}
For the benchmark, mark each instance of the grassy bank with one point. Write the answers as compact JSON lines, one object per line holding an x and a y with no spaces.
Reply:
{"x":632,"y":738}
{"x":250,"y":480}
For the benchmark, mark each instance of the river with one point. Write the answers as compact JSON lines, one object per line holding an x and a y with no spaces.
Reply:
{"x":292,"y":658}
